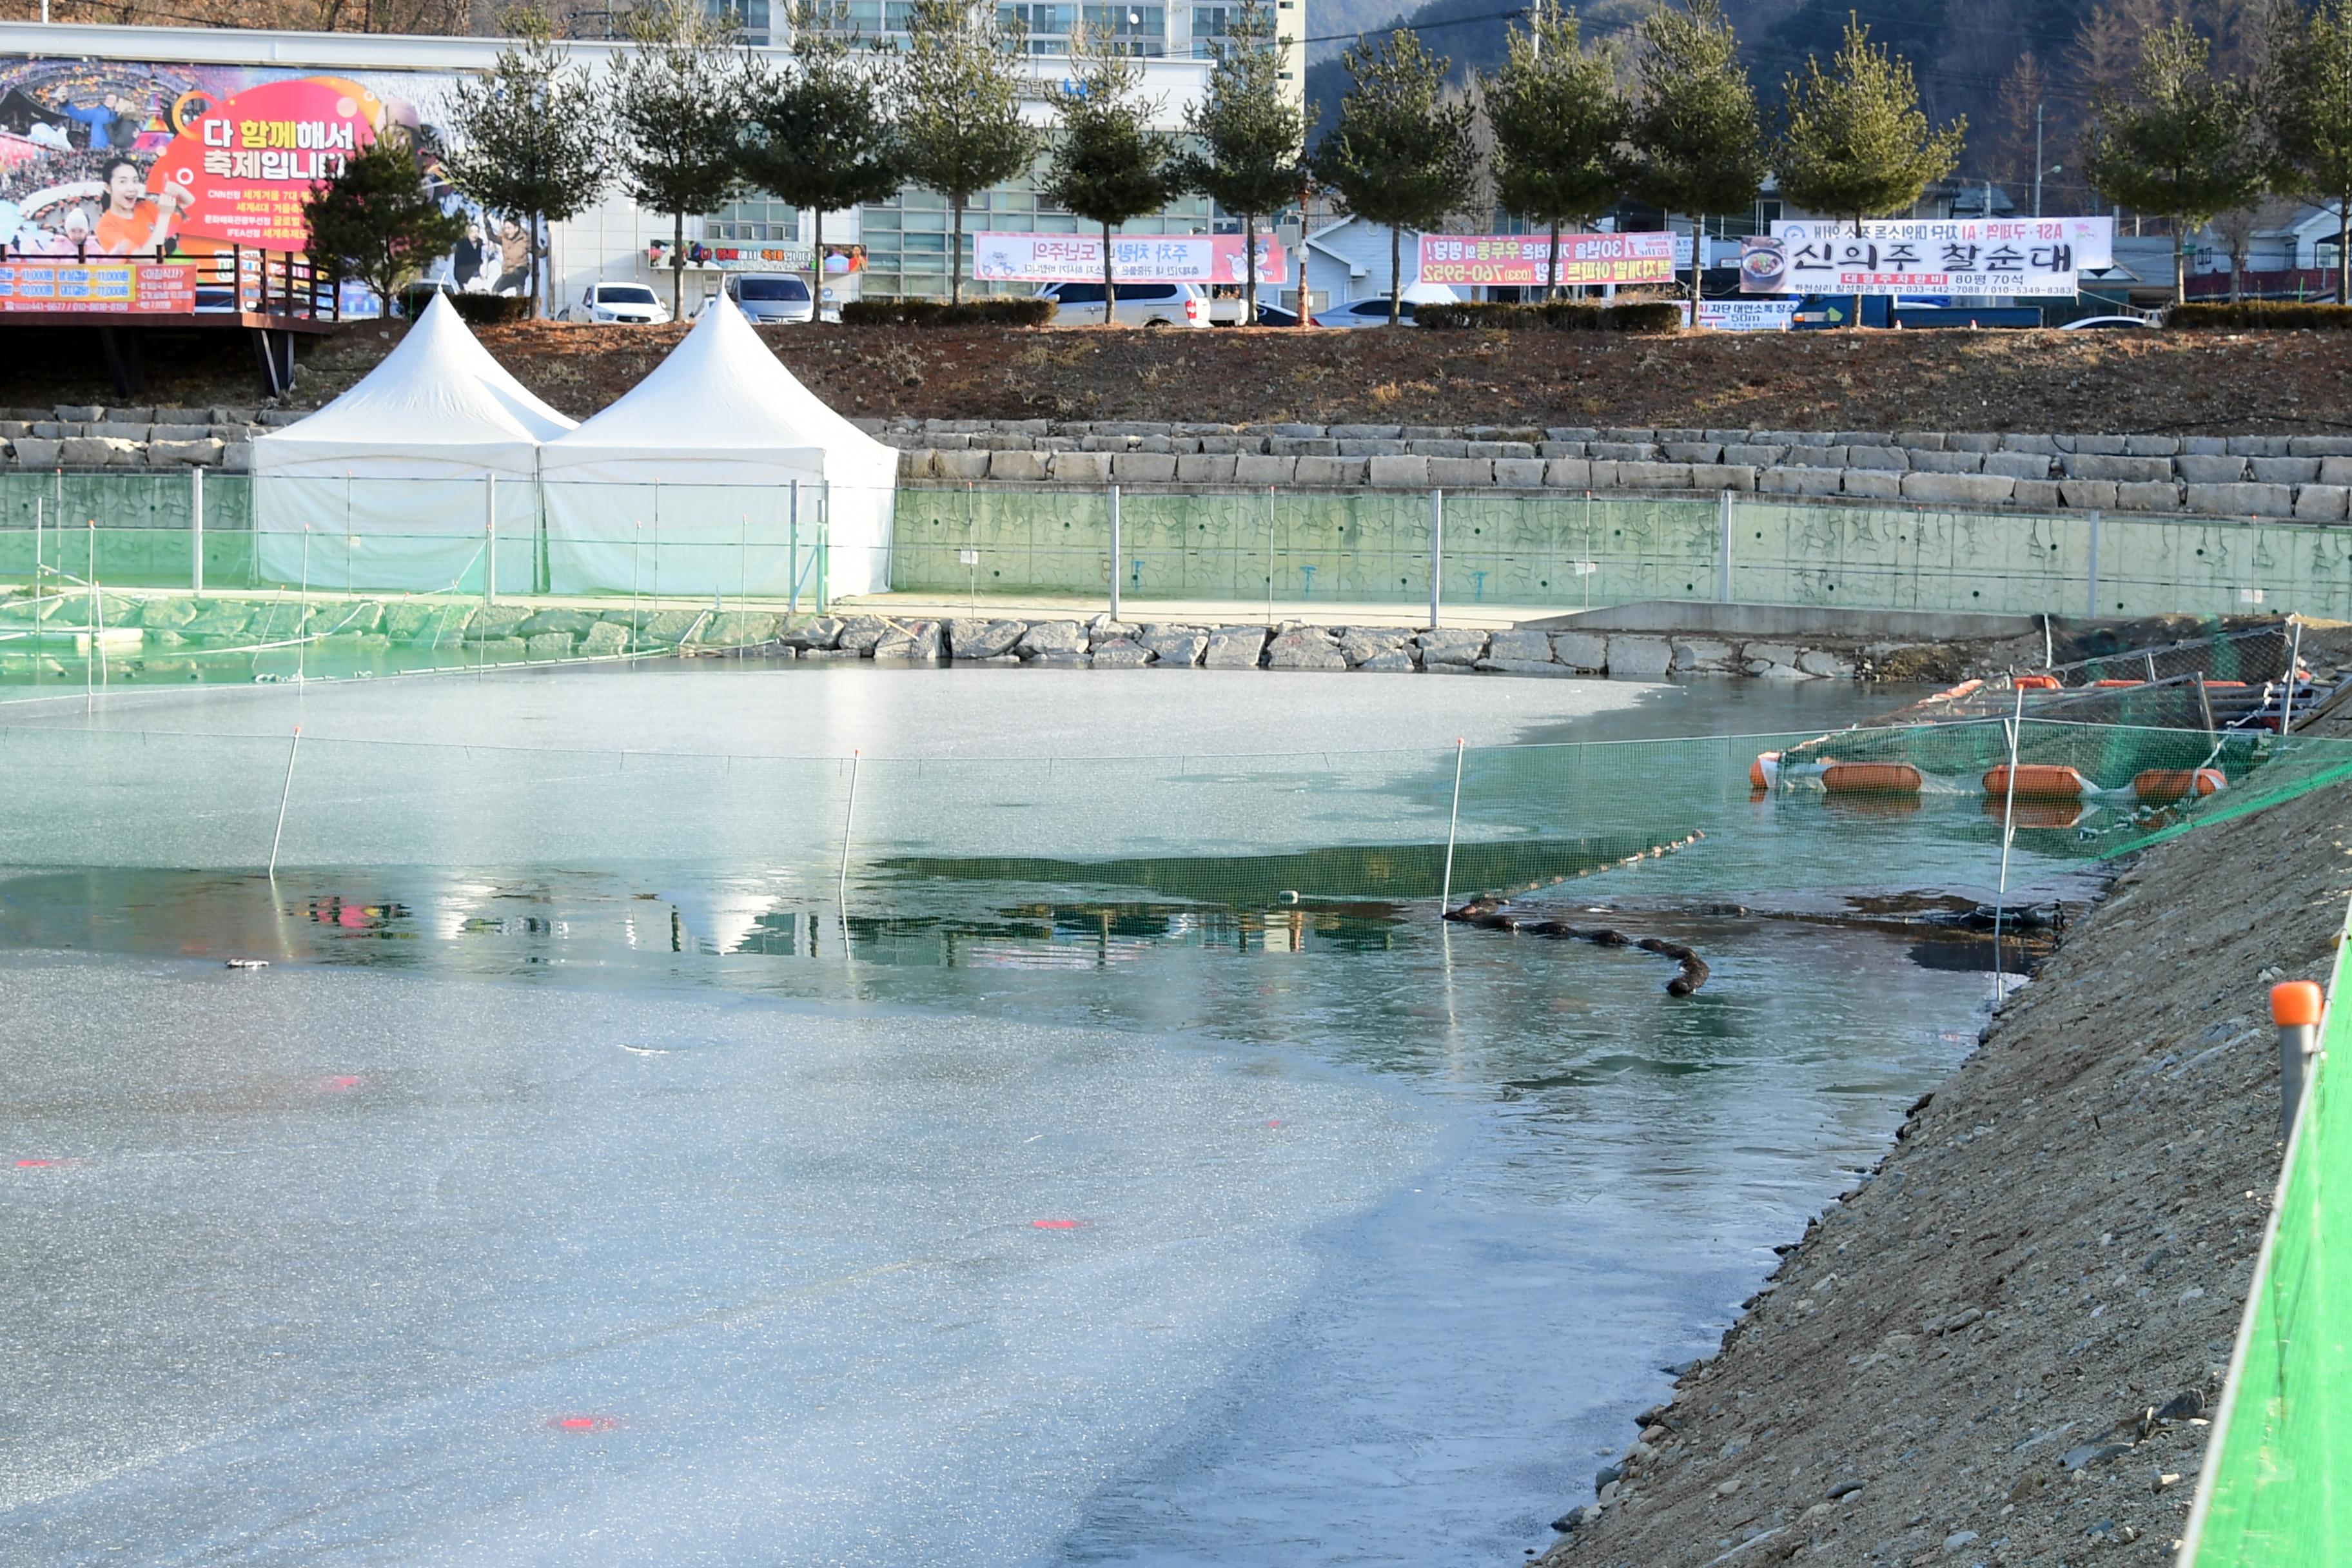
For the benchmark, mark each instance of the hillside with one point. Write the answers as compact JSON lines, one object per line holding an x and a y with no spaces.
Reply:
{"x":2147,"y":382}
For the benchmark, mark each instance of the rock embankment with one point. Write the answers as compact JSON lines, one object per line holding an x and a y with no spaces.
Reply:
{"x":2301,"y":477}
{"x":2000,"y":1347}
{"x":94,"y":438}
{"x":1105,"y":644}
{"x":490,"y":633}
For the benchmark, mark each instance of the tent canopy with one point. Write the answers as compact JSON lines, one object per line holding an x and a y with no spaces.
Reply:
{"x":718,"y":473}
{"x":437,"y":408}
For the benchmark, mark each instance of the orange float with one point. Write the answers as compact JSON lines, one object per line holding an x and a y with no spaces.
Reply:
{"x":1765,"y":771}
{"x":2120,"y":683}
{"x":1871,"y":778}
{"x":2162,"y":786}
{"x":2037,"y":780}
{"x":2037,"y":683}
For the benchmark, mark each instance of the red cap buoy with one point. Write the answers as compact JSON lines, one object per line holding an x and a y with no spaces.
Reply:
{"x":2296,"y":1003}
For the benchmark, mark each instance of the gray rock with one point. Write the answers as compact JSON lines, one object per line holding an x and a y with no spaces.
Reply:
{"x":960,"y":465}
{"x":1357,"y":644}
{"x":1393,"y":660}
{"x":860,"y":633}
{"x":2162,"y":496}
{"x":1175,"y":648}
{"x":1569,"y":473}
{"x":2222,"y":470}
{"x":2321,"y":504}
{"x":1654,"y":476}
{"x":2242,"y":501}
{"x":1399,"y":473}
{"x":1822,"y":457}
{"x":2018,"y":464}
{"x":1737,"y":476}
{"x":1691,"y":451}
{"x":1026,"y":468}
{"x":1234,"y":647}
{"x":2284,"y":470}
{"x":1877,"y":484}
{"x":1121,"y":654}
{"x":1752,"y":455}
{"x":32,"y":452}
{"x":1079,"y":467}
{"x":489,"y":621}
{"x":1519,"y":473}
{"x":1958,"y":490}
{"x":547,"y":646}
{"x":1143,"y":467}
{"x":1947,"y":462}
{"x":2041,"y":494}
{"x":1639,"y":659}
{"x":918,"y":642}
{"x":1520,"y":646}
{"x":605,"y":639}
{"x":1822,"y":662}
{"x":1307,"y":647}
{"x":2152,"y":445}
{"x":1265,"y":471}
{"x":1761,"y":670}
{"x":1522,"y":667}
{"x":822,"y":632}
{"x":570,"y":623}
{"x":1053,"y":636}
{"x":1771,"y":653}
{"x":976,"y":636}
{"x":1699,"y":654}
{"x":1894,"y":457}
{"x":1329,"y":472}
{"x":97,"y":452}
{"x":2041,"y":444}
{"x":1449,"y":645}
{"x":1586,"y":651}
{"x":1204,"y":468}
{"x":2080,"y":494}
{"x":1975,"y":442}
{"x":1799,"y":481}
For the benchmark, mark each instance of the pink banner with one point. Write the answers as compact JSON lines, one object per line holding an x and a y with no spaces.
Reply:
{"x":1522,"y":261}
{"x":1203,"y":259}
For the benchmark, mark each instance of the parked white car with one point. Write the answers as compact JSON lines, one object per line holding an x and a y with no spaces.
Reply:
{"x":1374,"y":311}
{"x":629,"y":302}
{"x":766,"y":297}
{"x":1139,"y":304}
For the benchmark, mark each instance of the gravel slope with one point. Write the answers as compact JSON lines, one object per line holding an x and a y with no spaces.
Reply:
{"x":1999,"y":1350}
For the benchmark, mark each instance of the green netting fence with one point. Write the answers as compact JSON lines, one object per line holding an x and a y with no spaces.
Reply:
{"x":2276,"y":1490}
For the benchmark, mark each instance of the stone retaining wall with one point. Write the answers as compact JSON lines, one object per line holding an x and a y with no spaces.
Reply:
{"x":90,"y":437}
{"x":1106,"y":644}
{"x":2300,"y":477}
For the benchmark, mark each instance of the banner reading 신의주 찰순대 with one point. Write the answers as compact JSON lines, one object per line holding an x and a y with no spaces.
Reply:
{"x":1205,"y":259}
{"x":2030,"y":257}
{"x":1524,"y":260}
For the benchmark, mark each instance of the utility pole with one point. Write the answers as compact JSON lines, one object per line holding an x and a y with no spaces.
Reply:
{"x":2037,"y":160}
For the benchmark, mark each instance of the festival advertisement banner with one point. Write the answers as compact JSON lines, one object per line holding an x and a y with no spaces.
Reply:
{"x":1205,"y":258}
{"x":2027,"y":258}
{"x":117,"y":158}
{"x":1522,"y":261}
{"x":135,"y":287}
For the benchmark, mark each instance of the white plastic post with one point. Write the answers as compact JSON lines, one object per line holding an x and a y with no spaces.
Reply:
{"x":848,"y":821}
{"x":40,"y":507}
{"x":490,"y":540}
{"x":1445,"y":895}
{"x":1723,"y":563}
{"x":2008,"y":832}
{"x":197,"y":531}
{"x":1114,"y":552}
{"x":2293,"y":667}
{"x":283,"y":795}
{"x":793,"y":552}
{"x":2091,"y":604}
{"x":1436,"y":552}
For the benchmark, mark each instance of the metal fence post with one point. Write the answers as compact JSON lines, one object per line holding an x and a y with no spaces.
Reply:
{"x":2294,"y":670}
{"x":1114,"y":552}
{"x":792,"y":552}
{"x":2091,"y":604}
{"x":1436,"y":553}
{"x":197,"y":531}
{"x":1724,"y":560}
{"x":2296,"y":1008}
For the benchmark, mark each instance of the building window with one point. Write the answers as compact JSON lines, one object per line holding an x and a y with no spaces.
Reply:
{"x":754,"y":220}
{"x":906,"y":239}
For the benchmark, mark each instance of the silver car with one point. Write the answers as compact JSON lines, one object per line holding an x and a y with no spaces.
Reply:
{"x":771,"y":297}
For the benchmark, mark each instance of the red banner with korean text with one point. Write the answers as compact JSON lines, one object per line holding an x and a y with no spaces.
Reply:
{"x":238,"y":173}
{"x":1523,"y":261}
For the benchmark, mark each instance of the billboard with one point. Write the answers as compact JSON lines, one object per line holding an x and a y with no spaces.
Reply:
{"x":104,"y":286}
{"x":1205,"y":259}
{"x":1743,"y":315}
{"x":118,"y":158}
{"x":2013,"y":257}
{"x":1523,"y":261}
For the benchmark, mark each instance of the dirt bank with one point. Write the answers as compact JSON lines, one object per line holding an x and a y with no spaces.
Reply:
{"x":1996,"y":1351}
{"x":2145,"y":382}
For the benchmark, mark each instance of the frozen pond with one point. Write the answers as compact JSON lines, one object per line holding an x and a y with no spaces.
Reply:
{"x":568,"y":1196}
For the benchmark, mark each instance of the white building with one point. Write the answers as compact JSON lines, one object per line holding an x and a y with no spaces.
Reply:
{"x":76,"y":99}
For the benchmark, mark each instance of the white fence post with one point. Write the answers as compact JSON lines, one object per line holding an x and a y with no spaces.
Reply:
{"x":1436,"y":552}
{"x":196,"y":529}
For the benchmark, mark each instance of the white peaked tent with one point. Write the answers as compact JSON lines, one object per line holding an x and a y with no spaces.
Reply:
{"x":393,"y":485}
{"x":688,"y":484}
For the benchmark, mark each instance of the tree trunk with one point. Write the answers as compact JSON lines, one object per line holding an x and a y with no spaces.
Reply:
{"x":1551,"y":266}
{"x":1305,"y":319}
{"x":1698,"y":262}
{"x":1110,"y":284}
{"x":677,"y":266}
{"x":1249,"y":270}
{"x":816,"y":267}
{"x":2344,"y":249}
{"x":2180,"y":265}
{"x":1855,"y":325}
{"x":955,"y":255}
{"x":1396,"y":275}
{"x":2237,"y":287}
{"x":531,"y":287}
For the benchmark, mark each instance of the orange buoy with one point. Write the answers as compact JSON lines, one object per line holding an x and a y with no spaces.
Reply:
{"x":2120,"y":683}
{"x":2162,"y":786}
{"x":1765,"y":771}
{"x":2212,"y":684}
{"x":1871,"y":778}
{"x":2037,"y":683}
{"x":2024,"y":812}
{"x":2037,"y":780}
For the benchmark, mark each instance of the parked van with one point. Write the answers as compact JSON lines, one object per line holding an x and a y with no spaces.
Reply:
{"x":1139,"y":304}
{"x":768,"y":297}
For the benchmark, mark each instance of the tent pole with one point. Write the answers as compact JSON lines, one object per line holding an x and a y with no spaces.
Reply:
{"x":793,"y":552}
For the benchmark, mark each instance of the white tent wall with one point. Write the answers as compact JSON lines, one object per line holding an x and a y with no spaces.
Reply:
{"x":686,"y":485}
{"x":390,"y":486}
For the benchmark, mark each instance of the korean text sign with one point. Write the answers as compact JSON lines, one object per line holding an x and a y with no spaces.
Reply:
{"x":1522,"y":261}
{"x":2010,"y":257}
{"x":1202,"y":259}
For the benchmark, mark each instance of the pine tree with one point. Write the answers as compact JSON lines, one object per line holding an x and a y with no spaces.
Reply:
{"x":819,"y":134}
{"x":1559,"y":125}
{"x":1698,"y":141}
{"x":1852,"y":141}
{"x":957,"y":97}
{"x":678,"y":100}
{"x":530,"y":136}
{"x":1402,"y":154}
{"x":1251,"y":141}
{"x":2308,"y":102}
{"x":2185,"y":143}
{"x":1108,"y":165}
{"x":375,"y":221}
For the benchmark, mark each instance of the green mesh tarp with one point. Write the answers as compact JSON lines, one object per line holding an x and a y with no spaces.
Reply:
{"x":2276,"y":1490}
